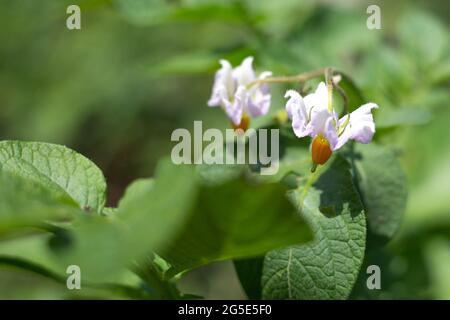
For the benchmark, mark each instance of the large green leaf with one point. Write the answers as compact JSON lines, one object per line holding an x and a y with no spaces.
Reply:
{"x":32,"y":254}
{"x":188,"y":221}
{"x":327,"y":268}
{"x":57,"y":168}
{"x":382,"y":184}
{"x":219,"y":225}
{"x":249,"y":272}
{"x":148,"y":217}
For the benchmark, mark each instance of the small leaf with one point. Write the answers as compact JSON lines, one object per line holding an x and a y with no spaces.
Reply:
{"x":58,"y":168}
{"x":327,"y":268}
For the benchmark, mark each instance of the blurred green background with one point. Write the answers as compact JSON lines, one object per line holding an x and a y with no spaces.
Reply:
{"x":138,"y":69}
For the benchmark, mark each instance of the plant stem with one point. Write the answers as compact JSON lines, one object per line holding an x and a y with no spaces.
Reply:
{"x":297,"y":78}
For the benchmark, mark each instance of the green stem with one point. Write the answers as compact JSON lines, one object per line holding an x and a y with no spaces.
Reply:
{"x":160,"y":288}
{"x":330,"y":83}
{"x":308,"y":184}
{"x":282,"y":79}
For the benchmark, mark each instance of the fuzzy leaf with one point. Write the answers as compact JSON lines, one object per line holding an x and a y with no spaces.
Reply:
{"x":327,"y":268}
{"x":218,"y":224}
{"x":25,"y":203}
{"x":58,"y":168}
{"x":382,"y":183}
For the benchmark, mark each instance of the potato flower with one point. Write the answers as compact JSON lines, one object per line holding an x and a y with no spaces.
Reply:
{"x":314,"y":116}
{"x":238,"y":93}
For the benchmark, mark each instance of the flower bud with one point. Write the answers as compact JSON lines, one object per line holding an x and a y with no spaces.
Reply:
{"x":320,"y":150}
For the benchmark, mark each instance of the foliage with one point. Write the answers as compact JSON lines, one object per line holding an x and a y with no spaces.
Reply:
{"x":138,"y":69}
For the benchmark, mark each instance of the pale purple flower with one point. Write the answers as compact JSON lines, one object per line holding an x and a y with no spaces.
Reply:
{"x":312,"y":116}
{"x":232,"y":92}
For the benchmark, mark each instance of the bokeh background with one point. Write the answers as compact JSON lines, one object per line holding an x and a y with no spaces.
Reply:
{"x":138,"y":69}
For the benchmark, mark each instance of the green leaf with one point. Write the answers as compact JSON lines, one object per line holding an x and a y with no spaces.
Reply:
{"x":32,"y":254}
{"x":382,"y":184}
{"x":148,"y":217}
{"x":58,"y":168}
{"x":218,"y":225}
{"x":422,"y":35}
{"x":97,"y":245}
{"x":441,"y":74}
{"x":31,"y":267}
{"x":402,"y":116}
{"x":218,"y":174}
{"x":187,"y":63}
{"x":327,"y":268}
{"x":438,"y":260}
{"x":25,"y":203}
{"x":156,"y":210}
{"x":186,"y":221}
{"x":249,"y":272}
{"x":217,"y":11}
{"x":143,"y":12}
{"x":135,"y":191}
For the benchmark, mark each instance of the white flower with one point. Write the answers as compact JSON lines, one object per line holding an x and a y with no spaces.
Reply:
{"x":313,"y":116}
{"x":232,"y":92}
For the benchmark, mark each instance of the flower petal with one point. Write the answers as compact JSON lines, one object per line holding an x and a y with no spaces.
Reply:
{"x":322,"y":96}
{"x":296,"y":110}
{"x":317,"y":101}
{"x":265,"y":86}
{"x":330,"y":132}
{"x":244,"y":73}
{"x":259,"y":104}
{"x":362,"y":124}
{"x":318,"y":123}
{"x":259,"y":97}
{"x":235,"y":109}
{"x":232,"y":93}
{"x":223,"y":86}
{"x":360,"y":127}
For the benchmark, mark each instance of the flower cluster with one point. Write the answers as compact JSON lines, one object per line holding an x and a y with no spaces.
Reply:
{"x":242,"y":95}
